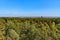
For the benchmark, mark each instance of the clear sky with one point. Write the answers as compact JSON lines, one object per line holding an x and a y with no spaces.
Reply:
{"x":30,"y":8}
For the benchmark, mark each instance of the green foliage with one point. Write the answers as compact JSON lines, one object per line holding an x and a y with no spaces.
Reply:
{"x":29,"y":28}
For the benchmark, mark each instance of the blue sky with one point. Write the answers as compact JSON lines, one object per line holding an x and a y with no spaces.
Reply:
{"x":30,"y":8}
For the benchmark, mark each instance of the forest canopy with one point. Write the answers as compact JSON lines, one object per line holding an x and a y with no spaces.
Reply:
{"x":30,"y":28}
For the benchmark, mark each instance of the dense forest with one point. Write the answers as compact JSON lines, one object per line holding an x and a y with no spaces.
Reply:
{"x":29,"y":28}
